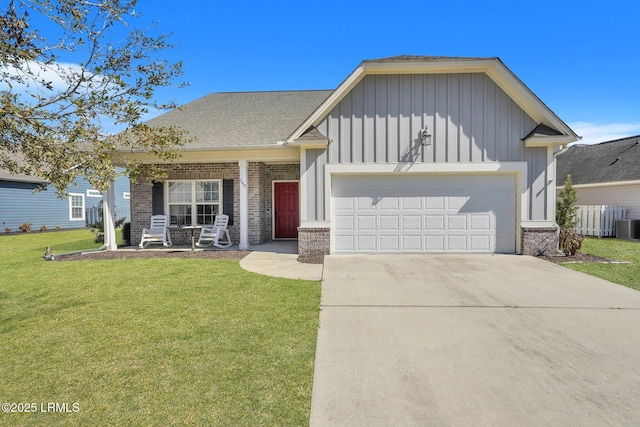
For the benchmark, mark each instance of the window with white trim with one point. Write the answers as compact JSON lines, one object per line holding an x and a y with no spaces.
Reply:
{"x":93,"y":193}
{"x":126,"y":195}
{"x":76,"y":207}
{"x":194,"y":202}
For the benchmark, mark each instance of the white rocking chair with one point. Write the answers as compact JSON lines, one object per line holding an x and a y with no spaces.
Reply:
{"x":156,"y":233}
{"x":216,"y":235}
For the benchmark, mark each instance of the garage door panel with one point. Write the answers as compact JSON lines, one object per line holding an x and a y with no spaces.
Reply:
{"x":411,"y":222}
{"x":434,"y":243}
{"x":365,"y":203}
{"x":366,"y":243}
{"x":344,"y":222}
{"x":411,"y":203}
{"x":390,"y":222}
{"x":366,"y":223}
{"x":434,"y":203}
{"x":456,"y":202}
{"x":456,"y":222}
{"x":481,"y":222}
{"x":456,"y":243}
{"x":389,"y":203}
{"x":434,"y":222}
{"x":346,"y":243}
{"x":411,"y":243}
{"x":417,"y":213}
{"x":480,"y":243}
{"x":343,"y":204}
{"x":390,"y":243}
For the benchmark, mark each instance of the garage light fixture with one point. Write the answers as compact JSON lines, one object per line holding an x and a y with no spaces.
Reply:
{"x":425,"y":136}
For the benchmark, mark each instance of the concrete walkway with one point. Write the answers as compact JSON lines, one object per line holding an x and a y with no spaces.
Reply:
{"x":279,"y":259}
{"x":473,"y":340}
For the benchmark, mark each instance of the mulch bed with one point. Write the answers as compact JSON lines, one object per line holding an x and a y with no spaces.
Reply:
{"x":231,"y":254}
{"x":579,"y":259}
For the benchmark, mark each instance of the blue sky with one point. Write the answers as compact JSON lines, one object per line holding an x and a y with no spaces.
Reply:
{"x":581,"y":58}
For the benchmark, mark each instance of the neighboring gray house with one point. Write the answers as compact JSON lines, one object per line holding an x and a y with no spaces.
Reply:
{"x":604,"y":174}
{"x":409,"y":154}
{"x":20,"y":203}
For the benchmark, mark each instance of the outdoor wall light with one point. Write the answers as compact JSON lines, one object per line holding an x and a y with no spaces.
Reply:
{"x":425,"y":136}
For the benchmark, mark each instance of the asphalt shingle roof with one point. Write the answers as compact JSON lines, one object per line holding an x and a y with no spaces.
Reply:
{"x":610,"y":161}
{"x":236,"y":119}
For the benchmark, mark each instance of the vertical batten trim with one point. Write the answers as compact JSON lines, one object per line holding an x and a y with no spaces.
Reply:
{"x":302,"y":191}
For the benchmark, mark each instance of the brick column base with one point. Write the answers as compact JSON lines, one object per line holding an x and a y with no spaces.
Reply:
{"x":313,"y":244}
{"x":540,"y":241}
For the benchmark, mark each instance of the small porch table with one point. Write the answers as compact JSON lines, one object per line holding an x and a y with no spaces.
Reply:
{"x":192,"y":229}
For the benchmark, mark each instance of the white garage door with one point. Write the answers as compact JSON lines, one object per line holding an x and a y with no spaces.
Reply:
{"x":424,"y":213}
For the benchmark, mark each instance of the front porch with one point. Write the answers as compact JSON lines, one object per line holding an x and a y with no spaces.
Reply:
{"x":194,"y":193}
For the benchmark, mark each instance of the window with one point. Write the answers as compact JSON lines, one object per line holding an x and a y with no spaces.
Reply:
{"x":76,"y":207}
{"x":193,"y":202}
{"x":126,"y":195}
{"x":93,"y":193}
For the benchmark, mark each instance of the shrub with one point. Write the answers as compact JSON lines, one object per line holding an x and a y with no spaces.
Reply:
{"x":566,"y":205}
{"x":126,"y":232}
{"x":26,"y":227}
{"x":43,"y":227}
{"x":58,"y":227}
{"x":570,"y":241}
{"x":7,"y":230}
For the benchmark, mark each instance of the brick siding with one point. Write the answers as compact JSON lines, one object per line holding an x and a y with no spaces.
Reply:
{"x":313,"y":244}
{"x":540,"y":241}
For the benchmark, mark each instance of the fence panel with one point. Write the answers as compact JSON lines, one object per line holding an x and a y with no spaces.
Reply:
{"x":598,"y":220}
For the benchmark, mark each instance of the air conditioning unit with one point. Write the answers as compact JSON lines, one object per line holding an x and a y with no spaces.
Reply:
{"x":628,"y":229}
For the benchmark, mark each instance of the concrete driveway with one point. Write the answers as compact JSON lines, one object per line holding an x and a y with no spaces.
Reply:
{"x":483,"y":340}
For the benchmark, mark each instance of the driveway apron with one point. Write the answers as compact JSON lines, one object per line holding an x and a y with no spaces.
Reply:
{"x":483,"y":340}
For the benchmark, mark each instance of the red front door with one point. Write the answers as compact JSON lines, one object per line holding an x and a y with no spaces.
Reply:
{"x":286,"y":210}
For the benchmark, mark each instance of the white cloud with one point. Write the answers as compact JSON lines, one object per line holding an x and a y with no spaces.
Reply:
{"x":57,"y":75}
{"x":593,"y":133}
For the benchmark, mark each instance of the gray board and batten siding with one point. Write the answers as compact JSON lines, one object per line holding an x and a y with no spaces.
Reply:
{"x":470,"y":118}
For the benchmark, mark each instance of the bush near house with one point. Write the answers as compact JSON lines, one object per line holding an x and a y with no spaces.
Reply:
{"x":566,"y":208}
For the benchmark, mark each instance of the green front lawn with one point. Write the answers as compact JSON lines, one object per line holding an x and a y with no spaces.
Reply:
{"x":151,"y":341}
{"x":616,"y":249}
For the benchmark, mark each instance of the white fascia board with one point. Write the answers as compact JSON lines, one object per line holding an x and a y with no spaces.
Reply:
{"x":546,"y":141}
{"x":601,"y":184}
{"x":320,"y":143}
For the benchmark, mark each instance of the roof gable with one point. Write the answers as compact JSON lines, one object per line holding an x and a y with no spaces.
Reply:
{"x":611,"y":161}
{"x":493,"y":67}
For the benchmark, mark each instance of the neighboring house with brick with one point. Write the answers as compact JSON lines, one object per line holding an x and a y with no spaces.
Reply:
{"x":604,"y":174}
{"x":20,"y":202}
{"x":409,"y":154}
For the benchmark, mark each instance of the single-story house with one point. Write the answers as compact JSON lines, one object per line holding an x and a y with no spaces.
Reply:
{"x":21,"y":203}
{"x":604,"y":174}
{"x":408,"y":154}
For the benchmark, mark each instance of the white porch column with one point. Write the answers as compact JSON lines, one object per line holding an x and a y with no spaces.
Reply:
{"x":244,"y":205}
{"x":109,"y":218}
